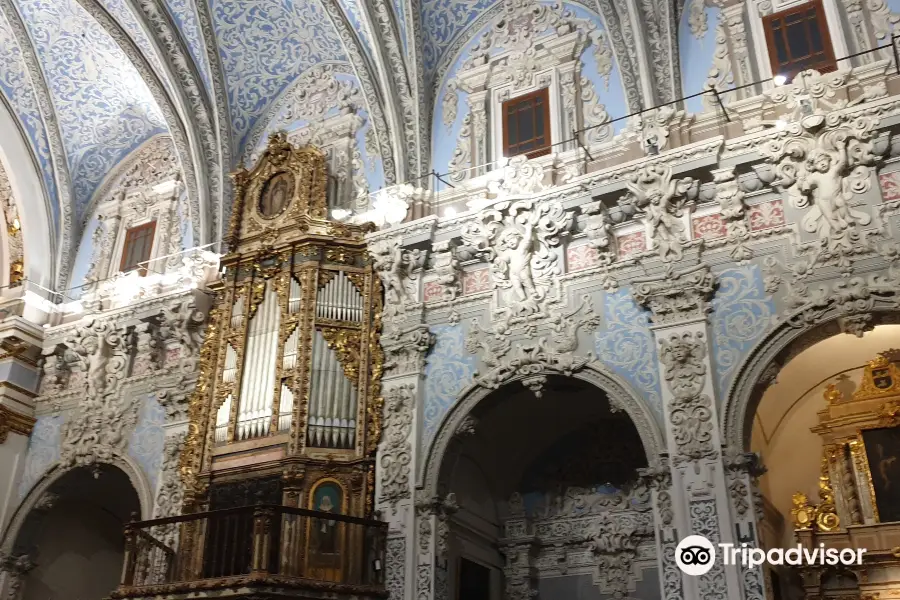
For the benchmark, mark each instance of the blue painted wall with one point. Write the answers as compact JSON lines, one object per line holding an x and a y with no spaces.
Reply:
{"x":448,"y":370}
{"x":43,"y":450}
{"x":626,"y":345}
{"x":696,"y":54}
{"x":149,"y":438}
{"x":742,"y":314}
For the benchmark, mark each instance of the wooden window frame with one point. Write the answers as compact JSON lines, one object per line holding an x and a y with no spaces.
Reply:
{"x":504,"y":112}
{"x":129,"y":234}
{"x":825,"y":65}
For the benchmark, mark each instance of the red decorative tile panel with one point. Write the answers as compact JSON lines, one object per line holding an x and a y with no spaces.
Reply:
{"x":631,"y":243}
{"x":476,"y":281}
{"x":766,"y":215}
{"x":173,"y":355}
{"x":890,"y":186}
{"x":709,"y":226}
{"x":581,"y":257}
{"x":433,"y":291}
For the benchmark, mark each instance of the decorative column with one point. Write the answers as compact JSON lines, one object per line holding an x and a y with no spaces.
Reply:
{"x":658,"y":479}
{"x":733,"y":15}
{"x":742,"y":472}
{"x":569,"y":84}
{"x":405,"y":341}
{"x":480,"y":152}
{"x":13,"y":570}
{"x":679,"y":302}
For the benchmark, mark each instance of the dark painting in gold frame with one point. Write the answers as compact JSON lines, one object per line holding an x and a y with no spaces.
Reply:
{"x":276,"y":194}
{"x":883,"y":455}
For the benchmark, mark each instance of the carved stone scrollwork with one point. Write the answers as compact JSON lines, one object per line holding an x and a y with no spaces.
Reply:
{"x":175,"y":403}
{"x":396,"y":454}
{"x":741,"y":468}
{"x":821,"y":164}
{"x":854,"y":299}
{"x":533,"y":361}
{"x":443,"y":256}
{"x":614,"y":541}
{"x":731,"y":204}
{"x":396,"y":266}
{"x":518,"y":239}
{"x":690,"y":410}
{"x":598,"y":228}
{"x":181,"y":322}
{"x":661,"y":199}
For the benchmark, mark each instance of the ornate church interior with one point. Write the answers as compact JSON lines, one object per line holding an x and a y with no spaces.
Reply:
{"x":449,"y":299}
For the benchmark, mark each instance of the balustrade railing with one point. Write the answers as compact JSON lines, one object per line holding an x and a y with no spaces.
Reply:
{"x":256,"y":542}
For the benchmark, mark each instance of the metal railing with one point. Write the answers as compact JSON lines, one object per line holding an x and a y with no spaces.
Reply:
{"x":293,"y":545}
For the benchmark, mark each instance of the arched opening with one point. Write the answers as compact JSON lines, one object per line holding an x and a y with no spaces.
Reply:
{"x":74,"y":535}
{"x":792,"y":427}
{"x":548,"y":499}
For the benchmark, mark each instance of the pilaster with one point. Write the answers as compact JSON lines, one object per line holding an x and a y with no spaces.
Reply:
{"x":679,"y":303}
{"x":478,"y":108}
{"x":405,"y":341}
{"x":20,"y":344}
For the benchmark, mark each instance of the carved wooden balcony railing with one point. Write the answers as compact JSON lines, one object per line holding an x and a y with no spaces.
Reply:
{"x":263,"y":545}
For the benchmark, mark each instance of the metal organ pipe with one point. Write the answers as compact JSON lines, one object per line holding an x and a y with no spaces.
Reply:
{"x":258,"y":379}
{"x":315,"y":424}
{"x":339,"y":300}
{"x":230,"y":371}
{"x":294,"y":298}
{"x":333,"y":400}
{"x":222,"y":417}
{"x":237,"y":312}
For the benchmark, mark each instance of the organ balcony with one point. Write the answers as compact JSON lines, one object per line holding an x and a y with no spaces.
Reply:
{"x":254,"y":551}
{"x":278,"y":464}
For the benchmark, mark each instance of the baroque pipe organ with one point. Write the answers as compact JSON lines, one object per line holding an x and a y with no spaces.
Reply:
{"x":287,"y":409}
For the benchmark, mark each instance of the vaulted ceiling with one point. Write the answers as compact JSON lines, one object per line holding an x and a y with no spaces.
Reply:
{"x":90,"y":81}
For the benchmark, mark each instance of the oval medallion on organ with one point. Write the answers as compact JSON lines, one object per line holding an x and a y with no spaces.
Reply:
{"x":276,"y":195}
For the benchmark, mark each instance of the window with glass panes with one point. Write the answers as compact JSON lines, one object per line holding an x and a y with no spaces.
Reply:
{"x":798,"y":40}
{"x":138,"y":244}
{"x":526,"y":125}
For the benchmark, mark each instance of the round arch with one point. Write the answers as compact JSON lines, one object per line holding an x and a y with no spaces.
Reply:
{"x":620,"y":395}
{"x":761,"y":366}
{"x":45,"y":484}
{"x":32,"y":202}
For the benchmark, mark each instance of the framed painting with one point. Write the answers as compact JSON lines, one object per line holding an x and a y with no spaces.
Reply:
{"x":276,"y":194}
{"x":882,"y":447}
{"x":326,"y":536}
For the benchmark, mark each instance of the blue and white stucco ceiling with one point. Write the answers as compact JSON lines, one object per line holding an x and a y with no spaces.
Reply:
{"x":91,"y":81}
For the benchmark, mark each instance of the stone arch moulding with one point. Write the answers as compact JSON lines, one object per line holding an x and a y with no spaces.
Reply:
{"x":621,"y":397}
{"x":123,"y":462}
{"x":767,"y":357}
{"x":37,"y":237}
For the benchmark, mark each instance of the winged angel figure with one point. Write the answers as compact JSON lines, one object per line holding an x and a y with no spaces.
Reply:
{"x":517,"y":238}
{"x":822,"y":172}
{"x":653,"y":191}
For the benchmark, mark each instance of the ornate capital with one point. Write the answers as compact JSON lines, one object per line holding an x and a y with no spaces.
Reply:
{"x":677,"y":297}
{"x":405,"y":350}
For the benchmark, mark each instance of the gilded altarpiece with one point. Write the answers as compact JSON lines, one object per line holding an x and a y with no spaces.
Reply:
{"x":291,"y":364}
{"x":858,"y":500}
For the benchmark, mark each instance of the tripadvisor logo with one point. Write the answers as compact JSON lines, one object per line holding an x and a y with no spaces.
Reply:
{"x":695,"y":555}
